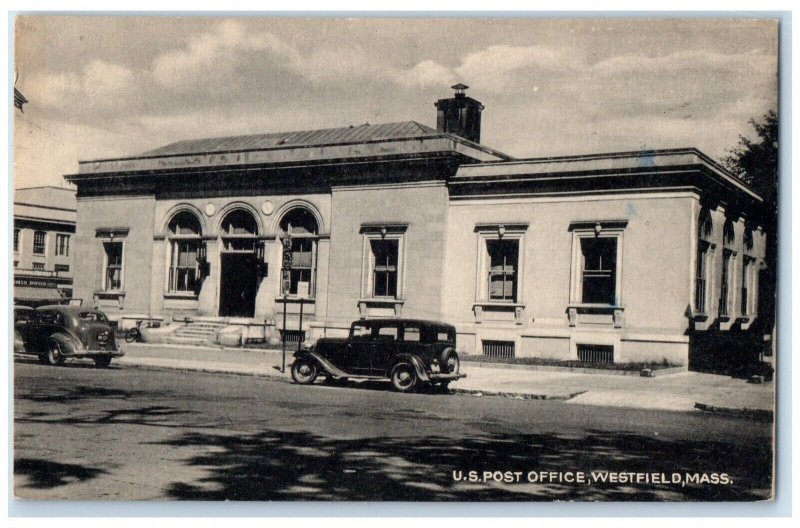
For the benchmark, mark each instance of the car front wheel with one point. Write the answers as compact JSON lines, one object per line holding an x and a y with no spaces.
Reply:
{"x":55,"y":355}
{"x":404,"y":377}
{"x":304,"y":371}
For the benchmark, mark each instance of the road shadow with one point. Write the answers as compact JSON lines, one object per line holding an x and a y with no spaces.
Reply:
{"x":83,"y":392}
{"x":45,"y":474}
{"x":277,"y":465}
{"x":71,"y":363}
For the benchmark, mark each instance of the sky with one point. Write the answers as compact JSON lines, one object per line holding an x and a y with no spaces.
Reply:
{"x":106,"y":87}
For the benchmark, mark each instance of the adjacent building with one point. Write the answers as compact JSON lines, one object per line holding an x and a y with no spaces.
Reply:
{"x":611,"y":257}
{"x":43,"y":247}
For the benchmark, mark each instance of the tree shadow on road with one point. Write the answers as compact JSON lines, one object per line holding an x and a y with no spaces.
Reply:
{"x":45,"y":474}
{"x":276,"y":465}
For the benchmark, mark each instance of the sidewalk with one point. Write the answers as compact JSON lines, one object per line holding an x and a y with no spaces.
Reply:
{"x":685,"y":391}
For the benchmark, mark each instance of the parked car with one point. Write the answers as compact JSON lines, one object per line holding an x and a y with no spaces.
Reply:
{"x":408,"y":352}
{"x":22,"y":315}
{"x":56,"y":333}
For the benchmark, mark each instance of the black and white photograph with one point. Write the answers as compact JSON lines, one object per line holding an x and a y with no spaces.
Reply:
{"x":401,"y":259}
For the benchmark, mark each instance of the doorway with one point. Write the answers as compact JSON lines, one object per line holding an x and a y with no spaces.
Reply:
{"x":238,"y":285}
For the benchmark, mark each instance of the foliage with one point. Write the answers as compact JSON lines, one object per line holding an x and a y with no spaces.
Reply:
{"x":756,"y":162}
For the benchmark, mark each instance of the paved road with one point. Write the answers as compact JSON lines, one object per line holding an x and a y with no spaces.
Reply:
{"x":134,"y":433}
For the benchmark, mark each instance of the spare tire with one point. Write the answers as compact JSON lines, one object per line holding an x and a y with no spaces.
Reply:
{"x":449,"y":361}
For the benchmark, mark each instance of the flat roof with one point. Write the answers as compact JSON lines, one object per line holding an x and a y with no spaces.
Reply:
{"x":555,"y":167}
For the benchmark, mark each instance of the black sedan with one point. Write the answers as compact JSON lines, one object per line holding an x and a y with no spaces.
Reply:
{"x":408,"y":352}
{"x":57,"y":333}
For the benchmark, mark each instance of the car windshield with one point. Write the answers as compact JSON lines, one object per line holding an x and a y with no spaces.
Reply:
{"x":93,"y":316}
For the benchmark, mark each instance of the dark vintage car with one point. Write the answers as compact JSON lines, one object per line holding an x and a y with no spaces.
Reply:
{"x":57,"y":333}
{"x":408,"y":352}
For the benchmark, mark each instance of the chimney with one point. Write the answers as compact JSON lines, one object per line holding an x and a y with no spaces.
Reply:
{"x":459,"y":115}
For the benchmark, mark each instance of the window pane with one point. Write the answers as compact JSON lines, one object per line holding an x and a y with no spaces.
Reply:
{"x":411,"y":334}
{"x":599,"y":270}
{"x":385,"y":256}
{"x":113,"y":265}
{"x":503,"y":263}
{"x":39,"y":242}
{"x":361,"y":330}
{"x":387,"y":333}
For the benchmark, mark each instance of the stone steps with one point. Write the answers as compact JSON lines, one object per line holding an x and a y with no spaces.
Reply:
{"x":196,"y":333}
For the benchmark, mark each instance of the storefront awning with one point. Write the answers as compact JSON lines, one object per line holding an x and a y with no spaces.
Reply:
{"x":29,"y":293}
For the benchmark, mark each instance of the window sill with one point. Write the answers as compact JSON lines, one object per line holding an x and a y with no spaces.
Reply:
{"x":387,"y":306}
{"x":483,"y":310}
{"x":295,"y":299}
{"x":595,"y":313}
{"x":595,"y":306}
{"x":103,"y":294}
{"x":499,"y":304}
{"x":180,"y":295}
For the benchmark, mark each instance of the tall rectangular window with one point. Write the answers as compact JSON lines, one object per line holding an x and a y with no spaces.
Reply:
{"x":302,"y":266}
{"x":113,"y":271}
{"x":502,"y":273}
{"x":62,"y":245}
{"x":745,"y":294}
{"x":701,"y":278}
{"x":384,"y":269}
{"x":16,"y":240}
{"x":598,"y":270}
{"x":183,"y":268}
{"x":725,"y":291}
{"x":39,"y":241}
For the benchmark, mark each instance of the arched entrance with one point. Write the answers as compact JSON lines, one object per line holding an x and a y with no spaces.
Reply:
{"x":239,"y":275}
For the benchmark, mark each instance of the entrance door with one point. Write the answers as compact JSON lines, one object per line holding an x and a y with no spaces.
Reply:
{"x":238,"y":285}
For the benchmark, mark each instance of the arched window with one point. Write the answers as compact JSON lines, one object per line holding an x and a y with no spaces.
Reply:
{"x":239,"y":230}
{"x":726,"y":293}
{"x":186,"y":246}
{"x":300,"y":226}
{"x":705,"y":246}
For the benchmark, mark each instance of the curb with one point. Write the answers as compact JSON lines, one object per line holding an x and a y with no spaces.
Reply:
{"x":517,"y":395}
{"x":578,"y":370}
{"x":762,"y":415}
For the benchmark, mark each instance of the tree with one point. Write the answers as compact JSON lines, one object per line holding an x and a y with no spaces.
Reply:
{"x":756,"y":163}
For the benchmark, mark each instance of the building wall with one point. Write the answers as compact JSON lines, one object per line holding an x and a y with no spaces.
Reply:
{"x":134,"y":213}
{"x":655,"y":275}
{"x":422,"y":208}
{"x":24,"y":257}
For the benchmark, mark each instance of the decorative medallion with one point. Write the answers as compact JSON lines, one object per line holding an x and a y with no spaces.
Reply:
{"x":210,"y":209}
{"x":267,"y":208}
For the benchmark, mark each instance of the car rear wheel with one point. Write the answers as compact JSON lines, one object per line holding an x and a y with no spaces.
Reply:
{"x":404,"y":377}
{"x":102,"y":362}
{"x":304,"y":371}
{"x":55,"y":355}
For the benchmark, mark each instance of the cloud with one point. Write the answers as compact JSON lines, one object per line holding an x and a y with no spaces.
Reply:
{"x":501,"y":68}
{"x":99,"y":82}
{"x":427,"y":73}
{"x":220,"y":52}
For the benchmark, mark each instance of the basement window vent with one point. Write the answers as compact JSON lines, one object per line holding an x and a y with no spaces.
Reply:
{"x":293,"y":337}
{"x":596,"y":353}
{"x":498,"y":349}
